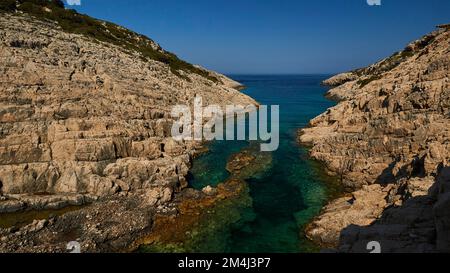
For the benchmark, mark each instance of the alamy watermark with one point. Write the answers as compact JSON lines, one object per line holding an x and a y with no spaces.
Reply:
{"x":374,"y":2}
{"x":74,"y":247}
{"x":73,"y":2}
{"x":207,"y":123}
{"x":374,"y":247}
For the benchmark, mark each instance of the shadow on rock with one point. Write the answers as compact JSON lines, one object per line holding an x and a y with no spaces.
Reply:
{"x":420,"y":224}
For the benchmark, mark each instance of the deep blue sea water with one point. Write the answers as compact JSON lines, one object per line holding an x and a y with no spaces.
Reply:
{"x":294,"y":189}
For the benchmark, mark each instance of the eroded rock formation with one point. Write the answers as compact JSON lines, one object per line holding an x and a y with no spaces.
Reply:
{"x":389,"y":140}
{"x":82,"y":120}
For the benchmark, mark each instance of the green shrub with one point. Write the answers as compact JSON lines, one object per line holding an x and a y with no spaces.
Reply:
{"x":366,"y":81}
{"x":73,"y":22}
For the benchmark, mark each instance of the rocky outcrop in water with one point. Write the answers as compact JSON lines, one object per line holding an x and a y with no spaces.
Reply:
{"x":85,"y":120}
{"x":388,"y":139}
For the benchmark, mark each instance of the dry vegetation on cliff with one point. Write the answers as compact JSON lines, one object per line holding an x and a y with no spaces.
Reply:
{"x":73,"y":22}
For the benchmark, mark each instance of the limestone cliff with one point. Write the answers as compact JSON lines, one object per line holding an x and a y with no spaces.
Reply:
{"x":85,"y":116}
{"x":388,"y":139}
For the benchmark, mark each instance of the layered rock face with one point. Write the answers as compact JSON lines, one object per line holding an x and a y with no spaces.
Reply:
{"x":83,"y":120}
{"x":80,"y":116}
{"x":388,"y":138}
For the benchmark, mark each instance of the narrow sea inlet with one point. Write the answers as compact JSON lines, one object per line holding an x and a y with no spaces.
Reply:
{"x":290,"y":191}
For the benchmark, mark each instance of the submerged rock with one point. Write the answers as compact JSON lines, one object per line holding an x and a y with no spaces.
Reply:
{"x":248,"y":163}
{"x":201,"y":220}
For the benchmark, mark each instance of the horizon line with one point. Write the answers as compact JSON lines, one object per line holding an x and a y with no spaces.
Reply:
{"x":280,"y":74}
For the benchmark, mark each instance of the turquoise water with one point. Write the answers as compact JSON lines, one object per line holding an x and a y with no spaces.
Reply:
{"x":294,"y":188}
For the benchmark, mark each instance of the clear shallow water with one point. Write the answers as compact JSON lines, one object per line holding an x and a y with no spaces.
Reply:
{"x":293,"y":190}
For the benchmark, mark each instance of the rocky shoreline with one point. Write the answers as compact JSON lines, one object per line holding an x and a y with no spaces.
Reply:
{"x":87,"y":123}
{"x":134,"y":223}
{"x":388,"y":141}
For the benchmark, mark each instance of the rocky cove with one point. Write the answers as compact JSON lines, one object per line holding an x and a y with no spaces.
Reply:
{"x":86,"y":152}
{"x":88,"y":122}
{"x":284,"y":189}
{"x":224,"y":203}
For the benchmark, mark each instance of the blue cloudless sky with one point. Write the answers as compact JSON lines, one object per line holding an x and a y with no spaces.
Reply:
{"x":276,"y":37}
